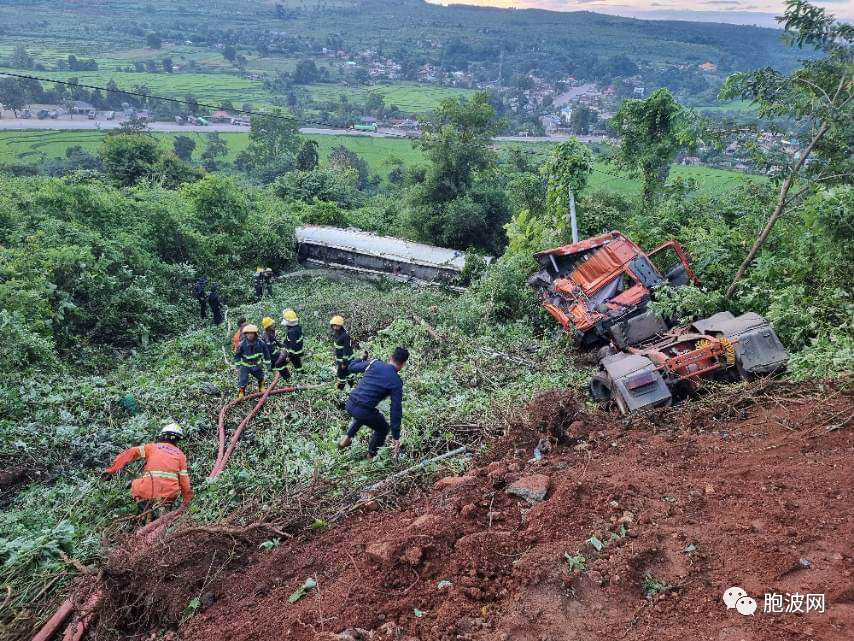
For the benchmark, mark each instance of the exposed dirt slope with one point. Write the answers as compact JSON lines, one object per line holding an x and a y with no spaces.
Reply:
{"x":733,"y":492}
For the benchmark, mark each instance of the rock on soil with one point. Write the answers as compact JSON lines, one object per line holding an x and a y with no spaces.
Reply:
{"x":781,"y":493}
{"x":531,"y":488}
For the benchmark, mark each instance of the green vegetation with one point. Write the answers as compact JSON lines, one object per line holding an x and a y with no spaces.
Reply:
{"x":103,"y":343}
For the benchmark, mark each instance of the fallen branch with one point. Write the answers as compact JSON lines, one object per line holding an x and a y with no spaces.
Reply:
{"x":232,"y":531}
{"x":417,"y":466}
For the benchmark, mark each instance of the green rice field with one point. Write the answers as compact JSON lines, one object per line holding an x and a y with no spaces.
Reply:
{"x":31,"y":146}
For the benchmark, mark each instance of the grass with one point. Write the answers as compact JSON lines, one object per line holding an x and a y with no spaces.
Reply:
{"x":79,"y":425}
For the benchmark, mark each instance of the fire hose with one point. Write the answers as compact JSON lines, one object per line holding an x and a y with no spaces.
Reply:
{"x":149,"y":533}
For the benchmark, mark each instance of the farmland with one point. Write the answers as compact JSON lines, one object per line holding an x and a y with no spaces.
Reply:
{"x":379,"y":153}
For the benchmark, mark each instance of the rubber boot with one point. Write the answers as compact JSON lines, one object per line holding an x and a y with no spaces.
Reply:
{"x":241,"y":393}
{"x":344,"y":441}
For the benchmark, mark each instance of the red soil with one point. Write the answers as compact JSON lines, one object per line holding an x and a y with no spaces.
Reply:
{"x":709,"y":498}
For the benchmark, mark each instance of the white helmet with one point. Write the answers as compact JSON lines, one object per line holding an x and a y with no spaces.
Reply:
{"x":173,"y":429}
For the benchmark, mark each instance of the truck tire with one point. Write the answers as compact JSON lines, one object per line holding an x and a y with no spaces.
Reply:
{"x":600,"y":388}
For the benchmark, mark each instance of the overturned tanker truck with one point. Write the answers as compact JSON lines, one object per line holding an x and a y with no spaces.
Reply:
{"x":599,"y":290}
{"x":360,"y":251}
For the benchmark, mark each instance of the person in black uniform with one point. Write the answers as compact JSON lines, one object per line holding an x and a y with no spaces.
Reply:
{"x":343,"y":351}
{"x":201,"y":296}
{"x":293,"y":339}
{"x":278,"y":354}
{"x":216,"y":304}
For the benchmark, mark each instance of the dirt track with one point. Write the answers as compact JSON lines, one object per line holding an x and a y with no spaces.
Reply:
{"x":730,"y":493}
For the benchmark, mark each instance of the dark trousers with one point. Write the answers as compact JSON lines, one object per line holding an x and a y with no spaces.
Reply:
{"x":343,"y":375}
{"x":243,"y":373}
{"x":216,"y":310}
{"x":296,"y":359}
{"x":203,"y":307}
{"x":280,"y":364}
{"x":371,"y":417}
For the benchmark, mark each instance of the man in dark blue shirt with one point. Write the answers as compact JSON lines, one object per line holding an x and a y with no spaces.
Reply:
{"x":381,"y":381}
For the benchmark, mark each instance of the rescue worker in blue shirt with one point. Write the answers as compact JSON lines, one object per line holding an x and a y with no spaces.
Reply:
{"x":380,"y":381}
{"x":250,"y":357}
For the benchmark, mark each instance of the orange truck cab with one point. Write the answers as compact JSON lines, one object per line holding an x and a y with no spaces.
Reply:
{"x":599,"y":289}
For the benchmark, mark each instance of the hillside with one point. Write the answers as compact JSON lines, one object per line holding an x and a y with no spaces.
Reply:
{"x":459,"y":36}
{"x":632,"y":530}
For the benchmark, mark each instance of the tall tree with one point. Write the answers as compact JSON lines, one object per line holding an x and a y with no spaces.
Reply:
{"x":461,"y":201}
{"x":653,"y":131}
{"x":819,"y":96}
{"x":567,"y":171}
{"x":184,"y":146}
{"x":273,"y":142}
{"x":307,"y":158}
{"x":13,"y":94}
{"x":215,"y":149}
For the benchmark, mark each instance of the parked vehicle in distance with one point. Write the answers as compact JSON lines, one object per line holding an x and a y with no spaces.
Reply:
{"x":42,"y":114}
{"x":241,"y":123}
{"x":92,"y":114}
{"x":110,"y":115}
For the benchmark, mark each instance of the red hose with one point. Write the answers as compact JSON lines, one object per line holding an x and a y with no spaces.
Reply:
{"x":222,"y":458}
{"x":152,"y":530}
{"x":76,"y":632}
{"x":53,"y":623}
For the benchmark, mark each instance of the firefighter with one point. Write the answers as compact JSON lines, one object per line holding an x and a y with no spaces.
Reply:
{"x":278,"y":354}
{"x":238,"y":335}
{"x":380,"y":381}
{"x":259,"y":282}
{"x":216,"y":305}
{"x":268,"y":281}
{"x":343,"y":351}
{"x":293,"y":339}
{"x":164,"y":476}
{"x":250,"y":357}
{"x":201,"y":296}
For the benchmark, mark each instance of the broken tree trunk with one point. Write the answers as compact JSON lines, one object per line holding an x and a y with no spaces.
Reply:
{"x":778,"y":211}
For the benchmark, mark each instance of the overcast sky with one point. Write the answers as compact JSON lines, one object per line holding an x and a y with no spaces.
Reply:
{"x":760,"y":12}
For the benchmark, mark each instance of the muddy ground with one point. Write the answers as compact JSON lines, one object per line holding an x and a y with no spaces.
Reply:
{"x":751,"y":489}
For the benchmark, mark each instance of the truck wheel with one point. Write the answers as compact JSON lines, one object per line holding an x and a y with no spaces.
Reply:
{"x":600,"y":388}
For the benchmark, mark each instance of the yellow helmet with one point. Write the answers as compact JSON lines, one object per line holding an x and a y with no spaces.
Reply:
{"x":290,"y":316}
{"x":258,"y":270}
{"x":266,"y":323}
{"x":250,"y":329}
{"x":337,"y":320}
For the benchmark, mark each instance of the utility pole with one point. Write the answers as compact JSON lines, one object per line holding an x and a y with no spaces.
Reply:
{"x":501,"y":68}
{"x":572,"y":220}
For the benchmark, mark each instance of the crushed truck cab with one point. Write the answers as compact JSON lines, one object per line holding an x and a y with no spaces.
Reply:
{"x":721,"y":347}
{"x":599,"y":289}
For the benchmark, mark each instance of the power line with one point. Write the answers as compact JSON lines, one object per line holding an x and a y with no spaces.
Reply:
{"x":142,"y":95}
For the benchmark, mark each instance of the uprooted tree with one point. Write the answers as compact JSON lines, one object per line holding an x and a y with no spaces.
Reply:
{"x":819,"y":96}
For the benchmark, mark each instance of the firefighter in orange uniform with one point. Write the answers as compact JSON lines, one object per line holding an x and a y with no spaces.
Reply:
{"x":165,"y":474}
